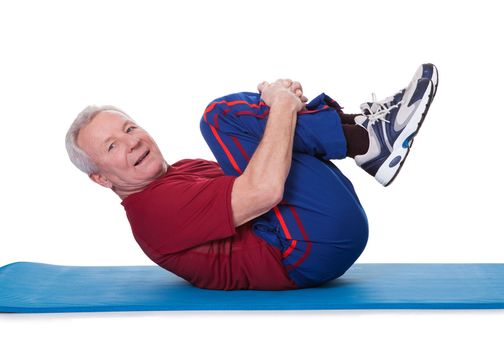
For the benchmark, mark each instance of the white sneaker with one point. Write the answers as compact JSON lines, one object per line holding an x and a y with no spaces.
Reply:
{"x":392,"y":124}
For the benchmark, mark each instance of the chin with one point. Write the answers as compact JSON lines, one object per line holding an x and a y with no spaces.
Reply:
{"x":155,"y":170}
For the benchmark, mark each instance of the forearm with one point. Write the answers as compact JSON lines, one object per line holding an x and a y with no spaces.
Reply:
{"x":270,"y":165}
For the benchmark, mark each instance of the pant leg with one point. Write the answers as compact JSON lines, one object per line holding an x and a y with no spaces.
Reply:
{"x":233,"y":127}
{"x":320,"y":226}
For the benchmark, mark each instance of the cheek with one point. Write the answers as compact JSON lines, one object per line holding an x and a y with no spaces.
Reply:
{"x":156,"y":147}
{"x":114,"y":161}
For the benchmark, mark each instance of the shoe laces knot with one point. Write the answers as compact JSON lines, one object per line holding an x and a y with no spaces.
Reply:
{"x":378,"y":110}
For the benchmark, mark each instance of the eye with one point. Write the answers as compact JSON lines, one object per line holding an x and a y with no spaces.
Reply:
{"x":112,"y":145}
{"x":130,"y":129}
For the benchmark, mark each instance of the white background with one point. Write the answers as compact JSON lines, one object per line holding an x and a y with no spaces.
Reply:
{"x":162,"y":62}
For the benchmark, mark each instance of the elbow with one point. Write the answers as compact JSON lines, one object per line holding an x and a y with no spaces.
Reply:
{"x":275,"y":196}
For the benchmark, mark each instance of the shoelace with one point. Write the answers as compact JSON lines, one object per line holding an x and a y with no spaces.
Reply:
{"x":378,"y":110}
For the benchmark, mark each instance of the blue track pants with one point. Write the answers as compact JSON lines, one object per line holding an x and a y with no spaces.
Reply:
{"x":320,"y":226}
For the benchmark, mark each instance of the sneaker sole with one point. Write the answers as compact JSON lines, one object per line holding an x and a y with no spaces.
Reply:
{"x":435,"y":82}
{"x":386,"y":174}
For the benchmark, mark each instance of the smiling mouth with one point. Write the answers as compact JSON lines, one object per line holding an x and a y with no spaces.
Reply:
{"x":142,"y":158}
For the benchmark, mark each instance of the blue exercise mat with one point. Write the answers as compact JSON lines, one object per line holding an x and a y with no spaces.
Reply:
{"x":33,"y":287}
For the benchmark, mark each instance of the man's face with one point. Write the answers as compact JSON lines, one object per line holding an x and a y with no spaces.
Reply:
{"x":128,"y":158}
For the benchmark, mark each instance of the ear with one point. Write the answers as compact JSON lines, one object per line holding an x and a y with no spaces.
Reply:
{"x":100,"y":180}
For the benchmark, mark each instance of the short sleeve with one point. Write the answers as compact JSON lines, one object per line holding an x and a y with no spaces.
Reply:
{"x":181,"y":214}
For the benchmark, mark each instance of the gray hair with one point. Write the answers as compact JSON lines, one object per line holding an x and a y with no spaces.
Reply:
{"x":78,"y":157}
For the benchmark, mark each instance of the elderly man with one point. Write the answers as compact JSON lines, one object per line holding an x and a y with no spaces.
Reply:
{"x":274,"y":212}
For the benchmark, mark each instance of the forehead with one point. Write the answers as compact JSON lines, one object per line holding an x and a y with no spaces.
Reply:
{"x":100,"y":128}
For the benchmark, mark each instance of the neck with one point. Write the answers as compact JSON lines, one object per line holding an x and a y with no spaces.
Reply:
{"x":126,"y":191}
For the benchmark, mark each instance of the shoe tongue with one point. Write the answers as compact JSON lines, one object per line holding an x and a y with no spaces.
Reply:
{"x":375,"y":107}
{"x":369,"y":107}
{"x":372,"y":107}
{"x":361,"y":120}
{"x":365,"y":107}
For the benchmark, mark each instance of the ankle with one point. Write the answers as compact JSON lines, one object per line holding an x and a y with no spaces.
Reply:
{"x":357,"y":139}
{"x":349,"y":119}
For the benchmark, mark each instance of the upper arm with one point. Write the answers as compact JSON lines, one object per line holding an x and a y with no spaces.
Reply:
{"x":248,"y":202}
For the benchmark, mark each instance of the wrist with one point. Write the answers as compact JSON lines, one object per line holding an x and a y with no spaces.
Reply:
{"x":285,"y":102}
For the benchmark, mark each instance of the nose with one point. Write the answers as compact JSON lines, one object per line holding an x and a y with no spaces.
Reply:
{"x":131,"y":142}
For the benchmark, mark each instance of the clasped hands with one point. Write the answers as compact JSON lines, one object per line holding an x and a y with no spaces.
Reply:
{"x":283,"y":91}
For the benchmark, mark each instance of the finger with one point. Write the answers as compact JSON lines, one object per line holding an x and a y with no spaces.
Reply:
{"x":262,"y":85}
{"x":298,"y":93}
{"x":296,"y":85}
{"x":304,"y":99}
{"x":286,"y":82}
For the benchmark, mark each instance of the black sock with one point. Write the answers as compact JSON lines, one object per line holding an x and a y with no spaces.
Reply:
{"x":357,"y":139}
{"x":348,"y":118}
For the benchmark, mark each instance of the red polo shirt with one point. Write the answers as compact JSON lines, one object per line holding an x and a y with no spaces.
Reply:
{"x":183,"y":221}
